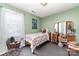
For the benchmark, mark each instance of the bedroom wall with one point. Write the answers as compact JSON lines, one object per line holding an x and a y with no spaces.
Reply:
{"x":27,"y":19}
{"x":72,"y":14}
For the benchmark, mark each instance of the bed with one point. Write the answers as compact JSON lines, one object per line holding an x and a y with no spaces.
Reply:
{"x":36,"y":39}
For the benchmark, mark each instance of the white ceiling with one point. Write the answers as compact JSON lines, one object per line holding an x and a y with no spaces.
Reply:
{"x":43,"y":11}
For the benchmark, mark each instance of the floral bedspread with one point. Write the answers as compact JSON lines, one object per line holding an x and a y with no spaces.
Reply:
{"x":36,"y":39}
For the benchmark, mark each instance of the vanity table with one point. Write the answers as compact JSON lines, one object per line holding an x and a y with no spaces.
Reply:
{"x":62,"y":32}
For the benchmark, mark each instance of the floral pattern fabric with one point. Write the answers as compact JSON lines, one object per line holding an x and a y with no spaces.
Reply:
{"x":37,"y":39}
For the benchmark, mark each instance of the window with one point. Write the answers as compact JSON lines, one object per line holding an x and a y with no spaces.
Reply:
{"x":13,"y":22}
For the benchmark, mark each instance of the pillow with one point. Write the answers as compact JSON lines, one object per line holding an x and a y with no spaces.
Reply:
{"x":44,"y":31}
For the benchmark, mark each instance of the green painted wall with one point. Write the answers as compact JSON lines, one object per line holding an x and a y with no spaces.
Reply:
{"x":27,"y":19}
{"x":72,"y":14}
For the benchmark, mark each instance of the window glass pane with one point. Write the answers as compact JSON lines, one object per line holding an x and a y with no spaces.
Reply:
{"x":14,"y":23}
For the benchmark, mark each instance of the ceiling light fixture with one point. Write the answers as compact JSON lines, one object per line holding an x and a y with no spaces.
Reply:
{"x":44,"y":4}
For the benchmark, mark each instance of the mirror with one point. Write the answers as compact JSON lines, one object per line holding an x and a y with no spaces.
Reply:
{"x":64,"y":27}
{"x":70,"y":27}
{"x":56,"y":27}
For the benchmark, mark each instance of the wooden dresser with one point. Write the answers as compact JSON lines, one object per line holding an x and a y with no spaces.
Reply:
{"x":68,"y":38}
{"x":71,"y":38}
{"x":54,"y":37}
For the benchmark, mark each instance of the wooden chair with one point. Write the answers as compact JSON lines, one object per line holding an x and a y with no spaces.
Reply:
{"x":12,"y":44}
{"x":72,"y":46}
